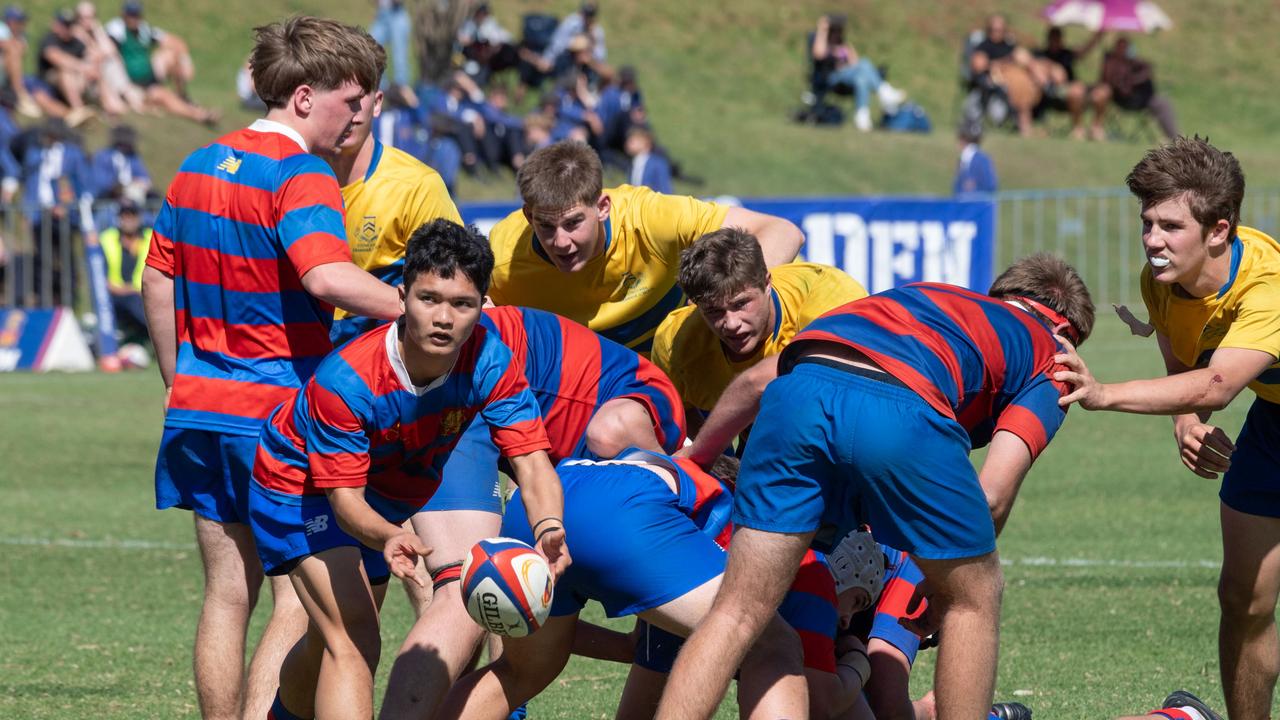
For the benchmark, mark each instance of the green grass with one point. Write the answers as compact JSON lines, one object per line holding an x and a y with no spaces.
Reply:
{"x":94,"y":627}
{"x":720,"y":80}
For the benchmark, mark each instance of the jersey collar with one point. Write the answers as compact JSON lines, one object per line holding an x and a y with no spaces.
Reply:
{"x":272,"y":126}
{"x":1237,"y":252}
{"x":373,"y":161}
{"x":777,"y":311}
{"x":397,"y":362}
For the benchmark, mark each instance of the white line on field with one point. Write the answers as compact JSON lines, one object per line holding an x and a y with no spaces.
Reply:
{"x":1023,"y":561}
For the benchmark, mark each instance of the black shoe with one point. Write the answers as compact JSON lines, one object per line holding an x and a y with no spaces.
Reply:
{"x":1011,"y":711}
{"x":1182,"y":698}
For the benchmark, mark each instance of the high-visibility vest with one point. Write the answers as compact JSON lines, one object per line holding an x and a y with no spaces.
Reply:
{"x":110,"y":241}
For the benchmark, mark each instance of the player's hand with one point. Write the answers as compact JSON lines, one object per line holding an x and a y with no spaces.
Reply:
{"x":1204,"y":449}
{"x":401,"y":552}
{"x":551,"y":546}
{"x":1136,"y":326}
{"x":922,"y":617}
{"x":1087,"y":391}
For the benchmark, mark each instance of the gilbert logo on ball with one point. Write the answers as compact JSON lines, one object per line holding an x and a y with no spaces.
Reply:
{"x":506,"y":586}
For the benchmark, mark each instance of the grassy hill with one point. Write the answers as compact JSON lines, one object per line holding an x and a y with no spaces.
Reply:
{"x":721,"y":79}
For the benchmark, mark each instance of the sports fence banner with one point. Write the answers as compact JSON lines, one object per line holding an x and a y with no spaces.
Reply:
{"x":42,"y":339}
{"x":882,"y":242}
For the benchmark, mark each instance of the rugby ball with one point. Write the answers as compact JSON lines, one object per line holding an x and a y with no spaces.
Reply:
{"x":506,"y":586}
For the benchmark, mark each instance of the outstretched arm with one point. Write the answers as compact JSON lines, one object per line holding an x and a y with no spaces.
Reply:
{"x":544,"y":506}
{"x":401,"y":547}
{"x":780,"y":239}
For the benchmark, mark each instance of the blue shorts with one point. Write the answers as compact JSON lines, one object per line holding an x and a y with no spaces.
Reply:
{"x":288,"y":528}
{"x":205,"y":472}
{"x":656,"y":649}
{"x":832,"y":449}
{"x":1252,"y":484}
{"x":632,"y":547}
{"x":469,"y":480}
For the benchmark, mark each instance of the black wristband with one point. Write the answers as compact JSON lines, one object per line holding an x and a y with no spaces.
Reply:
{"x":549,"y":517}
{"x":551,"y":529}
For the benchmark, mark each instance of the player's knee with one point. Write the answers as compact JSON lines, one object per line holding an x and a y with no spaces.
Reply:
{"x":1241,"y":601}
{"x":619,"y":425}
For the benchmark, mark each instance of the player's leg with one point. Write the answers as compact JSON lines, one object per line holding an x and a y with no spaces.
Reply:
{"x":619,"y":424}
{"x":465,"y":509}
{"x":761,"y":566}
{"x":526,"y":666}
{"x":285,"y":629}
{"x":1247,"y":643}
{"x":232,"y":577}
{"x":641,"y":693}
{"x":342,"y":606}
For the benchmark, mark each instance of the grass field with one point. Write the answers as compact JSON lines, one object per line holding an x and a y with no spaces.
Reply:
{"x":1112,"y":554}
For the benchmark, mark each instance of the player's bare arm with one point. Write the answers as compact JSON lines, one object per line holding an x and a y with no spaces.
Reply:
{"x":401,"y":547}
{"x":1205,"y":389}
{"x":344,"y":285}
{"x":733,"y":412}
{"x":157,"y":301}
{"x":1003,"y":471}
{"x":780,"y":239}
{"x":1203,"y":448}
{"x":544,"y":504}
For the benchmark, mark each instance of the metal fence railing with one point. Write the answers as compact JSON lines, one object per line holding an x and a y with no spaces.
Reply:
{"x":1097,"y":231}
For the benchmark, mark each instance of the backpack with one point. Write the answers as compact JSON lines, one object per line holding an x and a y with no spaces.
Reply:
{"x":909,"y":118}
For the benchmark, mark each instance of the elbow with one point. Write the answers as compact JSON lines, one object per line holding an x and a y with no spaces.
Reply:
{"x":318,"y":283}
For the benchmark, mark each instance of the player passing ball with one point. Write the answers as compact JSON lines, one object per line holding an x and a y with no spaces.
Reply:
{"x":1212,"y":288}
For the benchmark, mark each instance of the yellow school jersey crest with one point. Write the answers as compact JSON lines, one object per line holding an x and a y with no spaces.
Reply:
{"x":1244,"y":313}
{"x":625,"y":292}
{"x":397,"y":195}
{"x":691,"y":355}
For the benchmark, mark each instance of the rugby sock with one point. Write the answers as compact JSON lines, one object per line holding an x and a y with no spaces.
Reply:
{"x":278,"y":711}
{"x":1185,"y":712}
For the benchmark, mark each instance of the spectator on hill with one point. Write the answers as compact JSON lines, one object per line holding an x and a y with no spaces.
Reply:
{"x":32,"y":96}
{"x":649,"y":165}
{"x":1064,"y":91}
{"x":538,"y":129}
{"x":64,"y":63}
{"x":125,"y":247}
{"x":504,"y":141}
{"x":115,"y":93}
{"x":488,"y":47}
{"x":583,"y":22}
{"x":151,"y":56}
{"x":392,"y":28}
{"x":453,"y":114}
{"x":837,"y":63}
{"x":1002,"y":74}
{"x":117,"y":171}
{"x":1129,"y":82}
{"x":975,"y":172}
{"x":621,"y":106}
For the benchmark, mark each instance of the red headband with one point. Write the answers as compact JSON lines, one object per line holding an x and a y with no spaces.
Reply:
{"x":1060,"y":323}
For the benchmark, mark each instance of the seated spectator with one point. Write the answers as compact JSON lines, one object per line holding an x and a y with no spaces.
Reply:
{"x":63,"y":62}
{"x":649,"y":166}
{"x":583,"y":22}
{"x":1002,"y":74}
{"x":57,"y":205}
{"x":399,"y":125}
{"x":392,"y":28}
{"x":621,"y":106}
{"x":1129,"y":82}
{"x":117,"y":171}
{"x":1064,"y":92}
{"x":537,"y":132}
{"x":975,"y":173}
{"x":125,"y":248}
{"x":487,"y":46}
{"x":151,"y":56}
{"x":31,"y":95}
{"x":837,"y":64}
{"x":453,"y":114}
{"x":245,"y":90}
{"x":115,"y":93}
{"x":504,"y":141}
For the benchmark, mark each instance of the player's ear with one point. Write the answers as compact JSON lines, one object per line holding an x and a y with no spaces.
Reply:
{"x":768,"y":281}
{"x":303,"y":99}
{"x":1219,"y":234}
{"x":401,"y":292}
{"x":603,"y":205}
{"x":487,"y":302}
{"x":377,"y":103}
{"x":528,"y":213}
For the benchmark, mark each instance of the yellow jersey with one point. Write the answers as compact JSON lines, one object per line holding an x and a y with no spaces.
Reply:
{"x":1244,"y":313}
{"x":691,"y":355}
{"x":625,"y":292}
{"x":397,"y":195}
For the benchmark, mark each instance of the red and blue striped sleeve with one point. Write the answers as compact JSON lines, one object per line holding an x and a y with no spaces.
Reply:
{"x":513,"y":415}
{"x":899,"y":587}
{"x":1034,"y":414}
{"x":160,"y":254}
{"x":310,"y":214}
{"x":337,"y":446}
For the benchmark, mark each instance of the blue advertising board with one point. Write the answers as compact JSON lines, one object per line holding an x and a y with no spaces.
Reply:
{"x":882,"y":242}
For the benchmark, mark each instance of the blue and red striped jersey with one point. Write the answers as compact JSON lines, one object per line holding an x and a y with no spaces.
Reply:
{"x":359,"y":421}
{"x":980,"y":361}
{"x":572,"y":371}
{"x":246,"y":217}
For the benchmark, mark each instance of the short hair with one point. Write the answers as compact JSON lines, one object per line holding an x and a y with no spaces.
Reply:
{"x":443,"y":247}
{"x":721,"y":264}
{"x":561,"y":176}
{"x":312,"y":51}
{"x":1209,"y":178}
{"x":1049,"y":280}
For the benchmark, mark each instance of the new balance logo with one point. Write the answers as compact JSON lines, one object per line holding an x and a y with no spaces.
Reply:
{"x":230,"y":165}
{"x":317,"y":524}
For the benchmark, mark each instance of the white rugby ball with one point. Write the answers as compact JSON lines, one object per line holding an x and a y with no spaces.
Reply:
{"x":506,"y":586}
